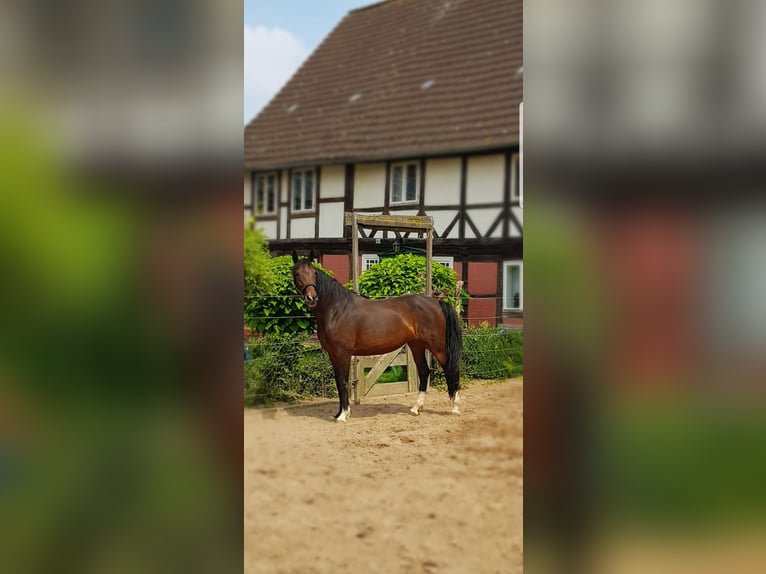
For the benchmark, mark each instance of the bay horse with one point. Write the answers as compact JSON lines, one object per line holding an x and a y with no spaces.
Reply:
{"x":349,"y":324}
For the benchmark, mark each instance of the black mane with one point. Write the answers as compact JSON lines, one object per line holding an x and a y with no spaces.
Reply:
{"x":329,"y":288}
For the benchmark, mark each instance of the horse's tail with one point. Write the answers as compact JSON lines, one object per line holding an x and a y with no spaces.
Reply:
{"x":453,"y":345}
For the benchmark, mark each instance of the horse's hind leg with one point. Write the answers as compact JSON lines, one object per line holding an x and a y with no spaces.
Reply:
{"x":441,"y":356}
{"x":419,"y":354}
{"x":340,"y":365}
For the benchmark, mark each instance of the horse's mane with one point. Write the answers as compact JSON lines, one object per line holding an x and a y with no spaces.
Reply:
{"x":327,"y":287}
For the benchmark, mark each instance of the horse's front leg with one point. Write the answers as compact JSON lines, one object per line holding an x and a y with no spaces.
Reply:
{"x":340,"y":364}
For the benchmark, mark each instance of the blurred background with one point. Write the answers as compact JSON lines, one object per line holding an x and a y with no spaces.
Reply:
{"x":121,"y":289}
{"x":120,"y":286}
{"x":646,"y":266}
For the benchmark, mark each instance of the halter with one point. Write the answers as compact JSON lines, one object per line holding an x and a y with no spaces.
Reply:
{"x":303,"y":291}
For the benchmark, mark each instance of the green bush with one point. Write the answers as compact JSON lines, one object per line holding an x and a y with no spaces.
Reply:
{"x":405,"y":274}
{"x":258,"y":273}
{"x":488,"y":353}
{"x":286,"y":368}
{"x":280,"y":310}
{"x":492,"y":353}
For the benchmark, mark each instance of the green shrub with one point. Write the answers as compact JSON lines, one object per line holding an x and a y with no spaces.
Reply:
{"x":258,"y":274}
{"x":286,"y":368}
{"x":280,"y":310}
{"x":488,"y":353}
{"x":492,"y":353}
{"x":405,"y":274}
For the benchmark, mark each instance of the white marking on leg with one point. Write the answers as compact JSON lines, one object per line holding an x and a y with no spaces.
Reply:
{"x":419,"y":403}
{"x":456,"y":403}
{"x":344,"y":414}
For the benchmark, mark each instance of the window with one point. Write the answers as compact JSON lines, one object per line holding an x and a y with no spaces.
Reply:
{"x":303,"y":190}
{"x":404,"y":183}
{"x":513,"y":285}
{"x":368,"y":261}
{"x":266,"y":194}
{"x":446,"y":261}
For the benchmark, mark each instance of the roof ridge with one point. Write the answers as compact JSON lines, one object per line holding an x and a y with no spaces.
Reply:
{"x":373,"y":5}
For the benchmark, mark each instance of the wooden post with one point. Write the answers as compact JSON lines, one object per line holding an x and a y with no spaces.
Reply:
{"x":355,"y":276}
{"x":429,"y":254}
{"x":355,"y":252}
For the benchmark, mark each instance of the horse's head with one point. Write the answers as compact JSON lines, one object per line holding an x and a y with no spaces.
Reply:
{"x":305,"y":278}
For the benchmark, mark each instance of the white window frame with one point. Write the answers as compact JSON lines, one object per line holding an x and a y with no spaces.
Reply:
{"x":446,"y":261}
{"x":404,"y":165}
{"x":302,"y":172}
{"x":368,"y":260}
{"x":265,"y":178}
{"x":506,"y":303}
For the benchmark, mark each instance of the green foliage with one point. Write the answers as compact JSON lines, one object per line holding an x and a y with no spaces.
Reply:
{"x":285,"y":368}
{"x":406,"y":274}
{"x":281,"y":310}
{"x":258,"y":274}
{"x":392,"y":374}
{"x":492,"y":353}
{"x":488,"y":353}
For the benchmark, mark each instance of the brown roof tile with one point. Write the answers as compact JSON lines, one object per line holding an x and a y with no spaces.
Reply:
{"x":364,"y":93}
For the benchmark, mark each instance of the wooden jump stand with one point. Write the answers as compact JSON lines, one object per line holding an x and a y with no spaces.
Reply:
{"x":401,"y":223}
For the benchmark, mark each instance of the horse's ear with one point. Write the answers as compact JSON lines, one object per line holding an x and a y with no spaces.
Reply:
{"x":312,"y":257}
{"x":295,"y":257}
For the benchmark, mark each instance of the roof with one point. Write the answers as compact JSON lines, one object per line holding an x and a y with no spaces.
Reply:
{"x":402,"y":78}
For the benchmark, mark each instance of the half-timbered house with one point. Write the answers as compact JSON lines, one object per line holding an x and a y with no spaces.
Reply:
{"x":408,"y":107}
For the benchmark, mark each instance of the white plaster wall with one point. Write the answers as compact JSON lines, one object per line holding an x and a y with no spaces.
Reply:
{"x":483,"y":219}
{"x":248,"y":189}
{"x":285,"y":186}
{"x":484,"y":181}
{"x":519,"y":213}
{"x":269,"y":228}
{"x":442,"y":181}
{"x":302,"y":228}
{"x":333,"y":181}
{"x":442,"y":219}
{"x":369,"y":185}
{"x":283,"y":222}
{"x":248,"y":214}
{"x":331,"y":220}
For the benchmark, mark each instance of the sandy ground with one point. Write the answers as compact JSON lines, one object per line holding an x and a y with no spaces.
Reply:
{"x":387,"y":491}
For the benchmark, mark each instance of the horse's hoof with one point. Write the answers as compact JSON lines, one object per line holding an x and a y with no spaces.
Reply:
{"x":343,"y":416}
{"x":455,"y":411}
{"x":414,"y":411}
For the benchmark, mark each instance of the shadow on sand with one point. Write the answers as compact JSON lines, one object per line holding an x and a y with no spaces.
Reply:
{"x":326,"y":409}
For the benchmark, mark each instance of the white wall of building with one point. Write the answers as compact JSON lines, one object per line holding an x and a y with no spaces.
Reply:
{"x":369,"y":185}
{"x":512,"y":230}
{"x":331,"y":220}
{"x":248,"y":189}
{"x":333,"y":181}
{"x":302,"y":228}
{"x":283,"y":222}
{"x":485,"y":178}
{"x":442,"y":182}
{"x":442,"y":219}
{"x":269,"y":228}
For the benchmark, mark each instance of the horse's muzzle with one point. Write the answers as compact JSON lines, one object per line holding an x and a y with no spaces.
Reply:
{"x":311,"y":301}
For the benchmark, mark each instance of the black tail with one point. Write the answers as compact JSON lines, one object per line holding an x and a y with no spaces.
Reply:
{"x":453,"y":345}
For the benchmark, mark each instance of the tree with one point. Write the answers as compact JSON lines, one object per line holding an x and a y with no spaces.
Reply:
{"x":259,"y":277}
